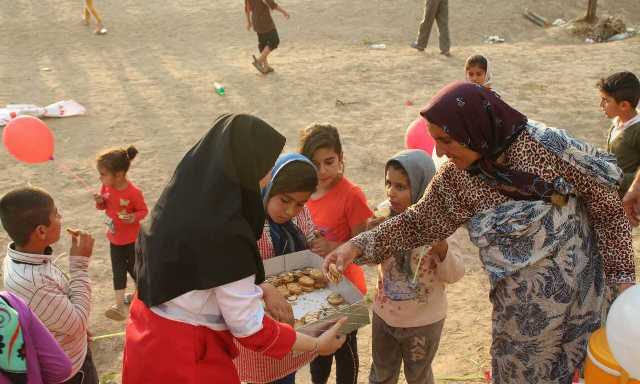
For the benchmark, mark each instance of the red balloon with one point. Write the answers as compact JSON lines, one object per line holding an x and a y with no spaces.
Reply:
{"x":418,"y":137}
{"x":28,"y":139}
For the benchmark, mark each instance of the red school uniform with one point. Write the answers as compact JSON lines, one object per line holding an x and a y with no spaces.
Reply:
{"x":128,"y":200}
{"x":335,"y":213}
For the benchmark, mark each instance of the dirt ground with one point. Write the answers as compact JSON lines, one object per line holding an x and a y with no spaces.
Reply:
{"x":149,"y":82}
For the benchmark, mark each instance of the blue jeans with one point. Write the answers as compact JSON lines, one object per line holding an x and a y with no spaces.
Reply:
{"x":291,"y":379}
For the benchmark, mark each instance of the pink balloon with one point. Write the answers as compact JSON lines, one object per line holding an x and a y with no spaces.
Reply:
{"x":418,"y":137}
{"x":28,"y":139}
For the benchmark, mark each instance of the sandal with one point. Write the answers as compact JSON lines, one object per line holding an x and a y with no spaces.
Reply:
{"x":259,"y":67}
{"x":101,"y":31}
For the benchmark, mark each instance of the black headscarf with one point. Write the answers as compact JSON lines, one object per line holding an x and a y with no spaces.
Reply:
{"x":204,"y":228}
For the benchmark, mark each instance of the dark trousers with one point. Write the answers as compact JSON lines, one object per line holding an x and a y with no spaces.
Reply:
{"x":291,"y":379}
{"x":347,"y":363}
{"x":87,"y":373}
{"x":123,"y":259}
{"x":391,"y":347}
{"x":437,"y":10}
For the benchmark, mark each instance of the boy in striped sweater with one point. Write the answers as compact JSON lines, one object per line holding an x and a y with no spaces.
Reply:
{"x":61,"y":301}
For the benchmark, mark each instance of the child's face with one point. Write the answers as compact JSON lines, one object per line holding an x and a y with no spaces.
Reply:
{"x":109,"y":179}
{"x":329,"y":165}
{"x":49,"y":234}
{"x":283,"y":207}
{"x":610,"y":106}
{"x":398,"y":189}
{"x":476,"y":75}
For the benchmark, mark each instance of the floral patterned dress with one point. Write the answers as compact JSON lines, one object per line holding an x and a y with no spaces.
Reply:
{"x":547,"y":263}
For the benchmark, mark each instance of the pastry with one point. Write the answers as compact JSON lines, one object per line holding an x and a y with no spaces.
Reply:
{"x":320,"y":285}
{"x":334,"y":275}
{"x":306,"y":281}
{"x":335,"y":299}
{"x":297,"y":274}
{"x":310,"y":318}
{"x":287,"y":277}
{"x":294,"y":288}
{"x":284,"y":290}
{"x":382,"y":212}
{"x":307,"y":289}
{"x":292,"y":298}
{"x":316,"y":274}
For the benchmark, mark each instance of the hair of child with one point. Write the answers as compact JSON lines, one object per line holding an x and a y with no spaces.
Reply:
{"x":117,"y":159}
{"x":477,"y":61}
{"x":22,"y":210}
{"x":317,"y":136}
{"x":395,"y":164}
{"x":622,"y":86}
{"x":297,"y":176}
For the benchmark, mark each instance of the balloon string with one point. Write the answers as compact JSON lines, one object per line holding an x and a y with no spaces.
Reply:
{"x":68,"y":170}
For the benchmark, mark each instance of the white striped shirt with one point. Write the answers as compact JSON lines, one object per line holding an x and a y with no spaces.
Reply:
{"x":62,"y":304}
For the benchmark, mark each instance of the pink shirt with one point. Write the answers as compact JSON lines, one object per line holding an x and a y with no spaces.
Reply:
{"x":404,"y":304}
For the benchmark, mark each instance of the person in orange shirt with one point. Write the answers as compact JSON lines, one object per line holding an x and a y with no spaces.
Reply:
{"x":339,"y":211}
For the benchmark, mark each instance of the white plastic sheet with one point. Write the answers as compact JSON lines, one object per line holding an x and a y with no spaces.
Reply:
{"x":64,"y":108}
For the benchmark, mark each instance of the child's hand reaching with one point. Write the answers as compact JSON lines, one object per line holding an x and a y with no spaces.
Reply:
{"x":81,"y":243}
{"x":321,"y":246}
{"x":128,"y":218}
{"x":440,"y":249}
{"x":98,"y":198}
{"x":374,"y":222}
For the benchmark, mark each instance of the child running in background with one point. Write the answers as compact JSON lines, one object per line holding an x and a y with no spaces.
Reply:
{"x":61,"y":300}
{"x":258,"y":14}
{"x":339,"y":210}
{"x":476,"y":70}
{"x":124,"y":206}
{"x":619,"y":94}
{"x":410,"y":304}
{"x":90,"y":10}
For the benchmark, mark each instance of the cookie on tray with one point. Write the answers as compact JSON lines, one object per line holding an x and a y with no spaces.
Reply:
{"x":294,"y":288}
{"x":316,"y":274}
{"x":306,"y":281}
{"x":335,"y":299}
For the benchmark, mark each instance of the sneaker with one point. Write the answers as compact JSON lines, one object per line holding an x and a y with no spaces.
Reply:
{"x":415,"y":45}
{"x":116,"y":313}
{"x":128,"y":298}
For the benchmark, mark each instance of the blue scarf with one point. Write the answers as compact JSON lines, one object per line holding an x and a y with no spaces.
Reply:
{"x":286,"y":237}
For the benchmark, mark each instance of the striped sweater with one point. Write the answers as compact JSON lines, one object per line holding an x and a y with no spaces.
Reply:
{"x":62,"y":303}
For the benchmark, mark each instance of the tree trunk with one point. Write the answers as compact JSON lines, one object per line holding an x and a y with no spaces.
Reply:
{"x":590,"y":17}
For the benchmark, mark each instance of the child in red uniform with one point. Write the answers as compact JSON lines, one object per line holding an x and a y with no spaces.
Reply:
{"x":339,"y":210}
{"x":124,"y":206}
